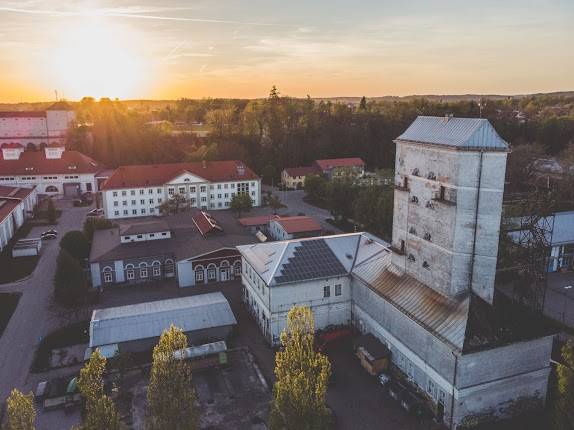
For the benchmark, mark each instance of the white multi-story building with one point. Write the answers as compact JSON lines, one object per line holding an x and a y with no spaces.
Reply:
{"x":52,"y":170}
{"x":136,"y":191}
{"x":16,"y":205}
{"x":429,"y":297}
{"x":35,"y":129}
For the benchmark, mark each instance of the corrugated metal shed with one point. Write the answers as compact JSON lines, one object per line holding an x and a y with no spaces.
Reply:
{"x":462,"y":133}
{"x":444,"y":318}
{"x":150,"y":319}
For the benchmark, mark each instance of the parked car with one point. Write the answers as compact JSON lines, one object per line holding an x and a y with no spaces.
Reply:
{"x":51,"y":231}
{"x":95,"y":213}
{"x":48,"y":236}
{"x":77,"y":202}
{"x":384,"y":379}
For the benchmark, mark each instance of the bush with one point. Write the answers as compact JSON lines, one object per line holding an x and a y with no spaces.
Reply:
{"x":76,"y":244}
{"x":51,"y":213}
{"x":70,"y":281}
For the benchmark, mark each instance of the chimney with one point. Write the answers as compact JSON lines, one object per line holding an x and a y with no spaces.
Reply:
{"x":448,"y":116}
{"x":204,"y":164}
{"x":240,"y":169}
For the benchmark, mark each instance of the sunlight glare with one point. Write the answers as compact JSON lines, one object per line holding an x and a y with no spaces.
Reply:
{"x":99,"y":59}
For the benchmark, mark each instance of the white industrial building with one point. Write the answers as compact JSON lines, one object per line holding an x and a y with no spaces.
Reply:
{"x":136,"y":191}
{"x":36,"y":129}
{"x":16,"y":205}
{"x":429,"y":297}
{"x":203,"y":318}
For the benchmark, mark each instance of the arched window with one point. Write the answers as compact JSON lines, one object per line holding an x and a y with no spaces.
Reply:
{"x":237,"y":268}
{"x":156,"y":268}
{"x":108,"y":276}
{"x":199,"y":275}
{"x":169,"y":266}
{"x":224,"y":263}
{"x":211,"y":272}
{"x":130,"y":272}
{"x":143,"y":270}
{"x":51,"y":189}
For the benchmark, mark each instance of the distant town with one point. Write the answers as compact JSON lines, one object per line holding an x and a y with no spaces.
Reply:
{"x":288,"y":263}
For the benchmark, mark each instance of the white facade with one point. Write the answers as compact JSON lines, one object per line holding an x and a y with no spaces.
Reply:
{"x":329,"y":299}
{"x":198,"y":193}
{"x":14,"y":220}
{"x":36,"y":128}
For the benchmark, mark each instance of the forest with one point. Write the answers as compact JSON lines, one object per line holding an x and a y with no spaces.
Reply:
{"x":279,"y":131}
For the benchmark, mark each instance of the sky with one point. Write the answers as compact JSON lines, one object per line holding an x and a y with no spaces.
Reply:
{"x":168,"y":49}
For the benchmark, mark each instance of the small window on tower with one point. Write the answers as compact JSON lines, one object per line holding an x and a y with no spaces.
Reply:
{"x":426,"y":265}
{"x":412,"y":257}
{"x":414,"y":199}
{"x":416,"y":172}
{"x":412,"y":230}
{"x":427,"y":236}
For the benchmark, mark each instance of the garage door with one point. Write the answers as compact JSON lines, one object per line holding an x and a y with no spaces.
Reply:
{"x":71,"y":190}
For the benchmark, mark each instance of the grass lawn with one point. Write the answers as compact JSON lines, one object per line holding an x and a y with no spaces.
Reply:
{"x":8,"y":303}
{"x":17,"y":268}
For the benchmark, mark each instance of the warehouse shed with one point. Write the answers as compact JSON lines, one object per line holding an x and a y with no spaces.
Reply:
{"x":137,"y":328}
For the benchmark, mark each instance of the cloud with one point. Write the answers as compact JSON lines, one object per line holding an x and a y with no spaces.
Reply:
{"x":123,"y":13}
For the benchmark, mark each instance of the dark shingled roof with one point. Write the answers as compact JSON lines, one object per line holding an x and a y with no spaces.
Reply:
{"x":312,"y":259}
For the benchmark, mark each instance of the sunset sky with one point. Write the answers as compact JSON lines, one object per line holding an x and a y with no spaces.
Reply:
{"x":231,"y":48}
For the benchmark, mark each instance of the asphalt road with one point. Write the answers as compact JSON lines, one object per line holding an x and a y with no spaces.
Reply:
{"x":559,"y":299}
{"x":35,"y":315}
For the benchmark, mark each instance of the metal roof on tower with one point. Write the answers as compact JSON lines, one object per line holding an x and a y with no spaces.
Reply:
{"x":461,"y":133}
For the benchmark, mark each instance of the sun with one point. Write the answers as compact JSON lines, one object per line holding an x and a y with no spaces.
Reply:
{"x":98,"y":59}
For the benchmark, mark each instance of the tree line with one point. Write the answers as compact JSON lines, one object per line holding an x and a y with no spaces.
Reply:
{"x":277,"y":132}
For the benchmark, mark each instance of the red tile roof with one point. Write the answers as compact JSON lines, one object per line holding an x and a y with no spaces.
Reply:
{"x":12,"y":145}
{"x":14,"y":192}
{"x":339,"y":162}
{"x":55,"y":145}
{"x":36,"y":163}
{"x":6,"y":208}
{"x":298,"y":224}
{"x":205,"y":223}
{"x":24,"y":114}
{"x":159,"y":174}
{"x":256,"y":220}
{"x":301,"y":171}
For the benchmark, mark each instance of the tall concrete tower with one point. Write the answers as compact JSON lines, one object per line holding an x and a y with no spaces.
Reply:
{"x":449,"y":184}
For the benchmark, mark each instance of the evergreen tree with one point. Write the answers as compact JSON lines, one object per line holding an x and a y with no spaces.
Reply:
{"x":51,"y":212}
{"x":77,"y":245}
{"x":301,"y":375}
{"x":363,"y":104}
{"x":171,"y":396}
{"x":21,"y":411}
{"x":70,"y":281}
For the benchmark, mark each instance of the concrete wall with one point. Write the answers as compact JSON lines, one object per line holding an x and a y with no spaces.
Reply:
{"x":440,"y":235}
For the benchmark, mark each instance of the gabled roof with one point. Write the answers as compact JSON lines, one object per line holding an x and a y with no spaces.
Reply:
{"x":61,"y":105}
{"x":339,"y":162}
{"x":300,"y":171}
{"x":298,"y":224}
{"x":159,"y":174}
{"x":143,"y":227}
{"x":256,"y":220}
{"x":149,"y":320}
{"x":15,"y":192}
{"x":311,"y":258}
{"x":461,"y":133}
{"x":205,"y":223}
{"x":36,"y":163}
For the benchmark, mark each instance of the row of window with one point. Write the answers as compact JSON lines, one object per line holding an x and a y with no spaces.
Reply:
{"x":142,"y":211}
{"x":134,"y":202}
{"x":242,"y":187}
{"x":130,"y":270}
